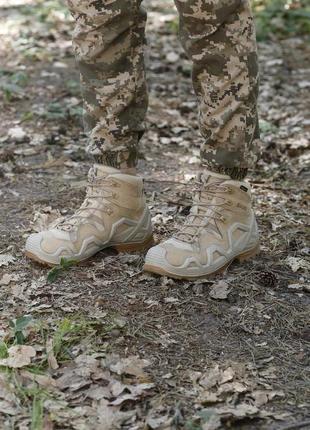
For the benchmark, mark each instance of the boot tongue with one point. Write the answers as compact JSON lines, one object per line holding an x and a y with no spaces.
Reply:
{"x":199,"y":214}
{"x":100,"y":171}
{"x":207,"y":178}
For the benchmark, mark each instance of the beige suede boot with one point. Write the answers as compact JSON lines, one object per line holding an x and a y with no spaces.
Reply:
{"x":113,"y":214}
{"x":221,"y":227}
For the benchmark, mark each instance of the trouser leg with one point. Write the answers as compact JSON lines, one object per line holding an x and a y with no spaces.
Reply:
{"x":108,"y":42}
{"x":219,"y":38}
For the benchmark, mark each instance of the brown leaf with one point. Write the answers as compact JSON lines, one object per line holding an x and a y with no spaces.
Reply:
{"x":219,"y":291}
{"x":132,"y":365}
{"x":19,"y":356}
{"x":52,"y":362}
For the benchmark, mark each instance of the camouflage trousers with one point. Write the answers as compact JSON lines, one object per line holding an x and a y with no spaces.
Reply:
{"x":218,"y":37}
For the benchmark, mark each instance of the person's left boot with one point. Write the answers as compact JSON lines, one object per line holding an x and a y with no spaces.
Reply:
{"x":113,"y":214}
{"x":220,"y":228}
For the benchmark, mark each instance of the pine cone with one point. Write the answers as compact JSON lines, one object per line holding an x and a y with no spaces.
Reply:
{"x":267,"y":279}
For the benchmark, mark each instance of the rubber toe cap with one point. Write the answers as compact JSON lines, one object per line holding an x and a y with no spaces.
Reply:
{"x":156,"y":256}
{"x":33,"y":243}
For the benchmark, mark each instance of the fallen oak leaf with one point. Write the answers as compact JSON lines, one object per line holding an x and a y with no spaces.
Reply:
{"x":159,"y":423}
{"x":6,"y":259}
{"x":239,"y":411}
{"x":219,"y":291}
{"x":6,"y":279}
{"x":296,"y":263}
{"x":19,"y":356}
{"x":211,"y":378}
{"x":132,"y":365}
{"x":110,"y":417}
{"x":43,"y":380}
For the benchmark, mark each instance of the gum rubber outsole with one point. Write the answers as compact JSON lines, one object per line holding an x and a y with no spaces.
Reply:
{"x":242,"y":257}
{"x":121,"y":247}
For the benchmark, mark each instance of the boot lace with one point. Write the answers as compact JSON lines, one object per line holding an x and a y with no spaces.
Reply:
{"x":96,"y":202}
{"x":206,"y":211}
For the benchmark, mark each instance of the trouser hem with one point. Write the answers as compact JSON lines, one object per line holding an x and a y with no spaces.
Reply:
{"x":118,"y":159}
{"x":236,"y":173}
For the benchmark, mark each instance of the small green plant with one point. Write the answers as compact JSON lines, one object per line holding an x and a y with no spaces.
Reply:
{"x":65,"y":327}
{"x":37,"y":413}
{"x":56,"y":271}
{"x":18,"y":326}
{"x":3,"y":350}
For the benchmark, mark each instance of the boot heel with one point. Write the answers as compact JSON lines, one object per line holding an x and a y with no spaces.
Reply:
{"x":131,"y":247}
{"x":248,"y":254}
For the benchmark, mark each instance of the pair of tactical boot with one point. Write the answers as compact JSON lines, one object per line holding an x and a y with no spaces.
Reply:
{"x":220,"y":228}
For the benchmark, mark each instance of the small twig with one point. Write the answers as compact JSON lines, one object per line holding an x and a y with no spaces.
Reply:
{"x":296,"y":425}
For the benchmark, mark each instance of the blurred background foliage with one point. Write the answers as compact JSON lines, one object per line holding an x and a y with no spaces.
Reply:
{"x":274,"y":18}
{"x":281,"y":18}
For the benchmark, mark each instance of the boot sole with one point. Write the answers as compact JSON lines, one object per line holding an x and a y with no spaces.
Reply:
{"x":240,"y":258}
{"x":121,"y":247}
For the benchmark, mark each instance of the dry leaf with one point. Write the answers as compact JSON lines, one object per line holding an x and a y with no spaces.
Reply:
{"x":213,"y":423}
{"x":227,"y":375}
{"x":219,"y":291}
{"x":52,"y":362}
{"x":17,"y":133}
{"x":132,"y":365}
{"x":6,"y":279}
{"x":6,"y":259}
{"x":239,"y":411}
{"x":261,"y":397}
{"x":97,"y":392}
{"x":19,"y":356}
{"x":232,"y":387}
{"x":43,"y":380}
{"x":208,"y":397}
{"x":110,"y":417}
{"x":211,"y":378}
{"x":159,"y":423}
{"x":7,"y":409}
{"x":296,"y":263}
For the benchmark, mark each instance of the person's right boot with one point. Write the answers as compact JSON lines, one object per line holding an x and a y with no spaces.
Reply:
{"x":113,"y":214}
{"x":220,"y":228}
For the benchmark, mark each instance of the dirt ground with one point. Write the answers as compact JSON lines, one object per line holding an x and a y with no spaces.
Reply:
{"x":104,"y":345}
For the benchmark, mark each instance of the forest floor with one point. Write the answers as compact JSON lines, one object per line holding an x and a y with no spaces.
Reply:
{"x":103,"y":345}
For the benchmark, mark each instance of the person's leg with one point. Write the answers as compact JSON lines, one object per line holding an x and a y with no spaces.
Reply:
{"x":108,"y":42}
{"x":219,"y":37}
